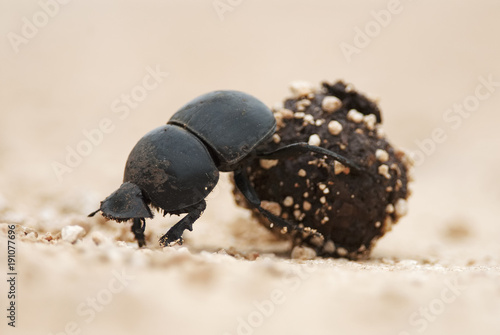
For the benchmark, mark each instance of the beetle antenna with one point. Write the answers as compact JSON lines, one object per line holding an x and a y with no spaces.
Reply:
{"x":93,"y":213}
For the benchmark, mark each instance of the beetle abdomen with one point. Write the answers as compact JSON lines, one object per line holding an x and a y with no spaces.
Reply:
{"x":173,"y":168}
{"x":232,"y":123}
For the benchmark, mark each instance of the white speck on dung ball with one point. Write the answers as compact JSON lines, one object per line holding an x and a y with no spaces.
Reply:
{"x":382,"y":155}
{"x":339,"y":168}
{"x":301,"y":88}
{"x":302,"y":104}
{"x":298,"y":215}
{"x":401,"y":207}
{"x":285,"y":113}
{"x":299,"y":115}
{"x":389,"y":209}
{"x":331,"y":104}
{"x":268,"y":163}
{"x":272,"y":207}
{"x":302,"y":173}
{"x":288,"y":202}
{"x":72,"y":233}
{"x":384,"y":171}
{"x":314,"y":139}
{"x":334,"y":127}
{"x":308,"y":118}
{"x":370,"y":121}
{"x":380,"y":132}
{"x":276,"y":138}
{"x":277,"y":106}
{"x":354,"y":116}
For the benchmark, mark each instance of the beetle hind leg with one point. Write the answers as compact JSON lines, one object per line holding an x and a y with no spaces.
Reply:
{"x":300,"y":148}
{"x":174,"y":234}
{"x":243,"y":184}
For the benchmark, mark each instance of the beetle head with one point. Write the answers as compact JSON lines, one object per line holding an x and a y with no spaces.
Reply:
{"x":125,"y":203}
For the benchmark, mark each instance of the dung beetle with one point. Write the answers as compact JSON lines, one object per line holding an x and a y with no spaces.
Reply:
{"x":174,"y":167}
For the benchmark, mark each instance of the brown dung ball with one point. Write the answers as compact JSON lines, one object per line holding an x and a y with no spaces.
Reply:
{"x":351,"y":210}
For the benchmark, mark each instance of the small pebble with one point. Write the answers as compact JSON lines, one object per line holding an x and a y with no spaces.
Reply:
{"x":381,"y":155}
{"x":72,"y":233}
{"x":342,"y":252}
{"x":384,"y":171}
{"x":301,"y":88}
{"x":355,"y":116}
{"x":401,"y":207}
{"x":314,"y":139}
{"x":339,"y":168}
{"x":271,"y":206}
{"x":330,"y":104}
{"x":370,"y":120}
{"x":334,"y":127}
{"x":329,"y":246}
{"x":302,"y":104}
{"x":99,"y":238}
{"x":299,"y":115}
{"x":389,"y":209}
{"x":268,"y":163}
{"x":303,"y":253}
{"x":288,"y":202}
{"x":308,"y":118}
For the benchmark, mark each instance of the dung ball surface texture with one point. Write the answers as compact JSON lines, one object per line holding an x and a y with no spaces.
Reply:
{"x":350,"y":209}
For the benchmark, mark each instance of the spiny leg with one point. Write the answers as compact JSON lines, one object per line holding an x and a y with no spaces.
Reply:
{"x":138,"y":227}
{"x":243,"y":184}
{"x":174,"y":234}
{"x":300,"y":148}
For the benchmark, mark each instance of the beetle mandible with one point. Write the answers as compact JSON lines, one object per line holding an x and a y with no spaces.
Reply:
{"x":174,"y":167}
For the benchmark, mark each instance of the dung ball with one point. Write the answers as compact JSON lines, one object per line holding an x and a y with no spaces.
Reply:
{"x":349,"y":209}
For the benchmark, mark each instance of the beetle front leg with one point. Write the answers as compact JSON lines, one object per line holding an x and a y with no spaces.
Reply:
{"x":138,"y":227}
{"x":174,"y":234}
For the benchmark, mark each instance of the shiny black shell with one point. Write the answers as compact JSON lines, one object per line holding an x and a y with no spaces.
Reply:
{"x":231,"y":123}
{"x":172,"y":167}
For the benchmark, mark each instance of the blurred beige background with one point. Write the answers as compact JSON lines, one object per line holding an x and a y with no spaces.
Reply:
{"x":62,"y":75}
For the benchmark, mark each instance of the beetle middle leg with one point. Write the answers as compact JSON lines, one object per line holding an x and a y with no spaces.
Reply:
{"x":243,"y":183}
{"x":174,"y":234}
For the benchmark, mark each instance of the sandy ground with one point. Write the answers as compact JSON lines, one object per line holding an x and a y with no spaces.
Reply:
{"x":437,"y":272}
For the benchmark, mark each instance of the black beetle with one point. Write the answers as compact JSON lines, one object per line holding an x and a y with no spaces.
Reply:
{"x":174,"y":167}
